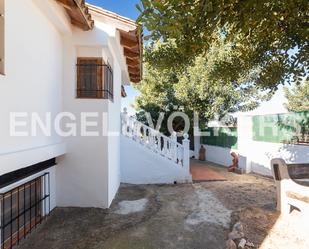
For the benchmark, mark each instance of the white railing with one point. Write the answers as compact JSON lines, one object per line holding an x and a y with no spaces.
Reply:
{"x":165,"y":146}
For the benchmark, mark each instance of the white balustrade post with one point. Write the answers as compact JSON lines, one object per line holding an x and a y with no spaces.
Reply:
{"x":174,"y":146}
{"x":159,"y":143}
{"x":130,"y":127}
{"x":186,"y":152}
{"x":150,"y":140}
{"x":139,"y":133}
{"x":155,"y":140}
{"x":165,"y":151}
{"x":135,"y":130}
{"x":124,"y":121}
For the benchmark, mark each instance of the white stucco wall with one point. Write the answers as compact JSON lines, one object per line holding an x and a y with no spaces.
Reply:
{"x":114,"y":138}
{"x":263,"y":152}
{"x":89,"y":174}
{"x":219,"y":155}
{"x":82,"y":174}
{"x":256,"y":156}
{"x":140,"y":165}
{"x":41,"y":51}
{"x":32,"y":82}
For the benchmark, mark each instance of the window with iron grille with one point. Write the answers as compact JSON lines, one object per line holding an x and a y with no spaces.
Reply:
{"x":94,"y":79}
{"x":1,"y":36}
{"x":22,"y":209}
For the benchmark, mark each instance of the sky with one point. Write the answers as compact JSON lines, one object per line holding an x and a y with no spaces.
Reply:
{"x":127,"y":8}
{"x":122,"y":7}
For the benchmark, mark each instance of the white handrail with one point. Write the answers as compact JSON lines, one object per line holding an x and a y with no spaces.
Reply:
{"x":165,"y":146}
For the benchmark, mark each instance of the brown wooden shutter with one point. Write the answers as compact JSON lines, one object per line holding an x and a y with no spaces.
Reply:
{"x":89,"y":78}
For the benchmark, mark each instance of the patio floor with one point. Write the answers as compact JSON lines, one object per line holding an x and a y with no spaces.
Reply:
{"x":191,"y":216}
{"x":201,"y":171}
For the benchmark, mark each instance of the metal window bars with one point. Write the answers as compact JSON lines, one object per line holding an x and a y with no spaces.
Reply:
{"x":94,"y":85}
{"x":22,"y":209}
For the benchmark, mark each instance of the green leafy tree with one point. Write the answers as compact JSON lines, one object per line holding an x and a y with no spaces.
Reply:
{"x":157,"y":96}
{"x":197,"y":89}
{"x":269,"y":38}
{"x":298,"y":97}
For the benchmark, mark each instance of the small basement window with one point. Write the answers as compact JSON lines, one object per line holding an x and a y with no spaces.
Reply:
{"x":1,"y":36}
{"x":23,"y":209}
{"x":94,"y":79}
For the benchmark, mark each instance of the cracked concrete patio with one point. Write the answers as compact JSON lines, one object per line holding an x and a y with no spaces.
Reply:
{"x":196,"y":216}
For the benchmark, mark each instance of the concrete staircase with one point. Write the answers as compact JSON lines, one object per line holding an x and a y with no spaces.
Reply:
{"x":149,"y":157}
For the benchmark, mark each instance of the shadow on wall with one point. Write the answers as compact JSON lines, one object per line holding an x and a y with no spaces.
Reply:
{"x":296,"y":153}
{"x":291,"y":153}
{"x":258,"y":159}
{"x":288,"y":143}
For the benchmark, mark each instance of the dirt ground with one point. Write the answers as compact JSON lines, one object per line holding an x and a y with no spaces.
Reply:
{"x":184,"y":216}
{"x":267,"y":230}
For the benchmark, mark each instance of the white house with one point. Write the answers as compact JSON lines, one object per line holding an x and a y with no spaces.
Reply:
{"x":64,"y":63}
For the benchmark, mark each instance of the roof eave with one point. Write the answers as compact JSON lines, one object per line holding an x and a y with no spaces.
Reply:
{"x":79,"y":13}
